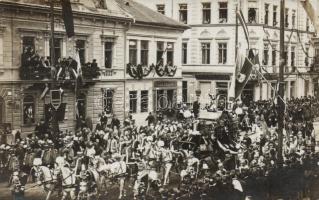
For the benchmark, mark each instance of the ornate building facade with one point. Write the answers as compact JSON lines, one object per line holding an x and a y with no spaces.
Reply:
{"x":208,"y":48}
{"x":104,"y":34}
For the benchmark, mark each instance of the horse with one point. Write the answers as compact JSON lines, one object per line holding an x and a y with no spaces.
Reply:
{"x":114,"y":171}
{"x":147,"y":177}
{"x":47,"y":178}
{"x":86,"y":186}
{"x":49,"y":155}
{"x":68,"y":182}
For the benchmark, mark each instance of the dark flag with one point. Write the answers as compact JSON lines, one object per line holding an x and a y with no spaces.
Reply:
{"x":256,"y":68}
{"x":67,"y":16}
{"x":244,"y":74}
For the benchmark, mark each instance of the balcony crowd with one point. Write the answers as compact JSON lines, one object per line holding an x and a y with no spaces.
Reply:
{"x":36,"y":67}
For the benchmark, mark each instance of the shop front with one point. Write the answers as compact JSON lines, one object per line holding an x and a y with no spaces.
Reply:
{"x":165,"y":97}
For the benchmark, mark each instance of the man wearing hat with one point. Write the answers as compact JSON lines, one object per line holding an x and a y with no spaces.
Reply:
{"x":118,"y":170}
{"x":150,"y":119}
{"x":17,"y":186}
{"x":115,"y":122}
{"x":192,"y":165}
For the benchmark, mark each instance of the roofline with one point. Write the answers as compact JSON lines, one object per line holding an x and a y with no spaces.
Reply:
{"x":162,"y":25}
{"x":153,"y":24}
{"x":58,"y":10}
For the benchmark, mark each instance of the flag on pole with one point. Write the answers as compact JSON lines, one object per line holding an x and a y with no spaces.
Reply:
{"x":78,"y":61}
{"x":238,"y":64}
{"x":78,"y":81}
{"x":77,"y":109}
{"x":243,"y":77}
{"x":242,"y":72}
{"x":58,"y":74}
{"x":244,"y":25}
{"x":67,"y":16}
{"x":45,"y":91}
{"x":256,"y":68}
{"x":275,"y":90}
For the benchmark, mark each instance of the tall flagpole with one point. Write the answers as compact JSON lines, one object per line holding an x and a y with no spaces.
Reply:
{"x":236,"y":32}
{"x":54,"y":121}
{"x":281,"y":104}
{"x":52,"y":33}
{"x":232,"y":87}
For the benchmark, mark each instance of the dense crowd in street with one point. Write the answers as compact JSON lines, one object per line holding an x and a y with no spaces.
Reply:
{"x":232,"y":157}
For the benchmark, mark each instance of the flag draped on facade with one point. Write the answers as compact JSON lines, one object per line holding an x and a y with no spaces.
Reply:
{"x":67,"y":16}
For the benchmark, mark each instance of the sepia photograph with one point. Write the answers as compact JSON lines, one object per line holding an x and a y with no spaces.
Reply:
{"x":159,"y":99}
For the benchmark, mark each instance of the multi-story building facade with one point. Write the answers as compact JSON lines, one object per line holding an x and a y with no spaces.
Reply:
{"x":208,"y":48}
{"x":153,"y":40}
{"x":104,"y":32}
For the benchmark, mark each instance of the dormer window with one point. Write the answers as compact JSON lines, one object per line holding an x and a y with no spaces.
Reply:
{"x":99,"y":4}
{"x":161,"y":8}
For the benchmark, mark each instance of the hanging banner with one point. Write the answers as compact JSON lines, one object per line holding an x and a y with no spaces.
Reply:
{"x":56,"y":98}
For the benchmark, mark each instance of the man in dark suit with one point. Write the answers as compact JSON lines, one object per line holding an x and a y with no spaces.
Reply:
{"x":115,"y":122}
{"x":41,"y":129}
{"x":150,"y":119}
{"x":196,"y":106}
{"x":103,"y":119}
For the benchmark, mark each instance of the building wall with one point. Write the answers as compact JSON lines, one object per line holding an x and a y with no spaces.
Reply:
{"x":260,"y":35}
{"x":152,"y":35}
{"x":14,"y":25}
{"x":17,"y":23}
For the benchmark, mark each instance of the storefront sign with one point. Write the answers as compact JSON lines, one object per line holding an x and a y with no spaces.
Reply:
{"x":165,"y":84}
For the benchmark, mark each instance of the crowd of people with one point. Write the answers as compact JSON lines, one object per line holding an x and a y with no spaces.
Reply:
{"x":230,"y":158}
{"x":34,"y":66}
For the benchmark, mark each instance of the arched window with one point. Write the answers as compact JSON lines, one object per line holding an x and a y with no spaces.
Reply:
{"x":107,"y":100}
{"x":2,"y":110}
{"x":28,"y":110}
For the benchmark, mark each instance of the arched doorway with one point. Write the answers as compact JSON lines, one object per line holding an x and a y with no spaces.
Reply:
{"x":2,"y":110}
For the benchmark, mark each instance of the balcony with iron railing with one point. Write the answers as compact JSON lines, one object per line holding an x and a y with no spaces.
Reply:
{"x":111,"y":73}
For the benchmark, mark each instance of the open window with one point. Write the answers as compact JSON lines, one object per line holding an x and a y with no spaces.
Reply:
{"x":252,"y":15}
{"x":28,"y":109}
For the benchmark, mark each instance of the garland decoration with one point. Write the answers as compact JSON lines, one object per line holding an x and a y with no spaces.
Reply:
{"x":129,"y":70}
{"x":160,"y":69}
{"x":147,"y":70}
{"x":139,"y":71}
{"x":171,"y":70}
{"x":135,"y":72}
